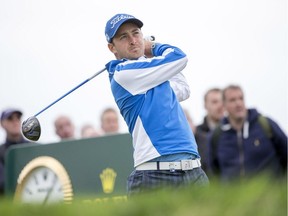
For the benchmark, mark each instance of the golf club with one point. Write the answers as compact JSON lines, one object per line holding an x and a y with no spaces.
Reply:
{"x":31,"y":127}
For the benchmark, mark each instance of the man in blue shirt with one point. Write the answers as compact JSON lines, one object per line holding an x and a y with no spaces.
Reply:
{"x":148,"y":86}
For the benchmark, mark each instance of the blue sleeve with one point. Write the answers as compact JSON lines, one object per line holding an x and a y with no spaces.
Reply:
{"x":159,"y":50}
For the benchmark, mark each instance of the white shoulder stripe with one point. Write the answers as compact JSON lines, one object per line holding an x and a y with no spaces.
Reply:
{"x":138,"y":81}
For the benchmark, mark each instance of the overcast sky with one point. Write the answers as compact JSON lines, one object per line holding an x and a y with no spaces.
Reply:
{"x":48,"y":47}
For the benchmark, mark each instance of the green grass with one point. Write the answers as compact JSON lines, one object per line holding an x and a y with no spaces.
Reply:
{"x":258,"y":197}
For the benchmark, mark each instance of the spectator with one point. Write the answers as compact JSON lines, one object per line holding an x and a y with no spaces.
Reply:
{"x":64,"y":127}
{"x":213,"y":105}
{"x":190,"y":121}
{"x":11,"y":123}
{"x":109,"y":121}
{"x":89,"y":131}
{"x":246,"y":144}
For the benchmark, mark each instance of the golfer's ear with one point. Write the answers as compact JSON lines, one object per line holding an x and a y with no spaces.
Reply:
{"x":113,"y":50}
{"x":111,"y":47}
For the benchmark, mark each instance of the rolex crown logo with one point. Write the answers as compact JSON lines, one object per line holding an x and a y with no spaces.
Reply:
{"x":108,"y":177}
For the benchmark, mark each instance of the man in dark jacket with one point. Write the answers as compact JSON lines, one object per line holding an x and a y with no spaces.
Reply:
{"x":213,"y":105}
{"x":11,"y":123}
{"x":243,"y":149}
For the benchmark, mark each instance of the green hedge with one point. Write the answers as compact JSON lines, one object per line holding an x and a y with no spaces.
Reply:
{"x":258,"y":197}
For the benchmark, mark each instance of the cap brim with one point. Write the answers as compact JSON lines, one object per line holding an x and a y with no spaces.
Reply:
{"x":135,"y":21}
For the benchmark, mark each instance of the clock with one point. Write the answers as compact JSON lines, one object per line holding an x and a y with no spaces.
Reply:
{"x":43,"y":180}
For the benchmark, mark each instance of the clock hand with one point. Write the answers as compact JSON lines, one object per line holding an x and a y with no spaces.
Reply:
{"x":50,"y":190}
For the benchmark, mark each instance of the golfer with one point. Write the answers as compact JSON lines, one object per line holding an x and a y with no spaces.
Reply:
{"x":148,"y":86}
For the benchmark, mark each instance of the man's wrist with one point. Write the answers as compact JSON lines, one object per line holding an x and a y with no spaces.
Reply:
{"x":153,"y":45}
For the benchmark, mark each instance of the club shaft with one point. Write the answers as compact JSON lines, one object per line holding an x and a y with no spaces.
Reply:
{"x":85,"y":81}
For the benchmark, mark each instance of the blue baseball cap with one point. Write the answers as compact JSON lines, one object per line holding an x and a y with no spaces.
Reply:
{"x":8,"y":112}
{"x":116,"y":21}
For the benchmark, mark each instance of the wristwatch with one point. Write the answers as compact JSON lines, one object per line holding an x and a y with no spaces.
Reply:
{"x":152,"y":47}
{"x":43,"y":180}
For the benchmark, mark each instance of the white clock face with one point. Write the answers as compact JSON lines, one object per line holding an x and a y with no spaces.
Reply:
{"x":43,"y":180}
{"x":43,"y":186}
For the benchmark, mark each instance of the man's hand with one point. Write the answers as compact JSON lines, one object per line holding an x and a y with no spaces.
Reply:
{"x":149,"y":42}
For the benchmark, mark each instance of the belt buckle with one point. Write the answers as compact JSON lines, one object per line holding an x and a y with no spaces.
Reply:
{"x":186,"y":165}
{"x":171,"y":167}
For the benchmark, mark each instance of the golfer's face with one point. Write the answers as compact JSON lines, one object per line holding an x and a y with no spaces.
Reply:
{"x":128,"y":42}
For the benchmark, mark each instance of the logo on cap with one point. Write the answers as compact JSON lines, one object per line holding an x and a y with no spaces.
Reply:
{"x":116,"y":21}
{"x":119,"y":18}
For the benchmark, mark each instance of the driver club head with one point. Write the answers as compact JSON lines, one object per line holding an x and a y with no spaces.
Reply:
{"x":31,"y":128}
